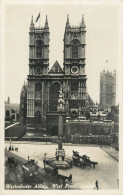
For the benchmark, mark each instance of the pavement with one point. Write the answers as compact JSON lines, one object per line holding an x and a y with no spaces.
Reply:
{"x":106,"y":172}
{"x":111,"y":151}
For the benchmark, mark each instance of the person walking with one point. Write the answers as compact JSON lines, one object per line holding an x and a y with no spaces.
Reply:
{"x":12,"y":148}
{"x":97,"y":185}
{"x":63,"y":155}
{"x":45,"y":159}
{"x":56,"y":154}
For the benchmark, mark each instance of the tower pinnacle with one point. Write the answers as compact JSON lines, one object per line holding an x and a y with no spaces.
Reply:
{"x":67,"y":23}
{"x":82,"y":23}
{"x":8,"y":101}
{"x":46,"y":22}
{"x":32,"y":24}
{"x":82,"y":18}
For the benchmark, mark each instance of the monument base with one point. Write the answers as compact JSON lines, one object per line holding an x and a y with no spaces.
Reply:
{"x":66,"y":164}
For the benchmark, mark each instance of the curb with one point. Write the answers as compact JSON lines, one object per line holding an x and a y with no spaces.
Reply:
{"x":115,"y":158}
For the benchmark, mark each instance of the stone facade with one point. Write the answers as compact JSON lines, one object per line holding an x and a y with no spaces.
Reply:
{"x":88,"y":128}
{"x":107,"y":89}
{"x":23,"y":104}
{"x":115,"y":117}
{"x":44,"y":84}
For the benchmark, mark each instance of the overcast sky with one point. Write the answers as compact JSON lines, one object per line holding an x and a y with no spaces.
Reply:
{"x":102,"y":41}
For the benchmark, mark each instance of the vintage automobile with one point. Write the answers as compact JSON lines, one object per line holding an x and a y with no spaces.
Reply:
{"x":30,"y":169}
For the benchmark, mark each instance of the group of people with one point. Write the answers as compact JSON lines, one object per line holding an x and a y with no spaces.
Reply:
{"x":11,"y":148}
{"x":60,"y":153}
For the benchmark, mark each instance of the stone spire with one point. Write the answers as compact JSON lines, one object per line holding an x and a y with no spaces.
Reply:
{"x":32,"y":23}
{"x":82,"y":18}
{"x":8,"y":101}
{"x":82,"y":22}
{"x":67,"y":23}
{"x":24,"y":86}
{"x":46,"y":22}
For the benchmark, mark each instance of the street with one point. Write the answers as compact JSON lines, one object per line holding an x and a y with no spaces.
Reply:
{"x":106,"y":172}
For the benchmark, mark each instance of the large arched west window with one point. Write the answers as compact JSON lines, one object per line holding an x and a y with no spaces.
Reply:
{"x":53,"y":96}
{"x":75,"y":49}
{"x":39,"y":49}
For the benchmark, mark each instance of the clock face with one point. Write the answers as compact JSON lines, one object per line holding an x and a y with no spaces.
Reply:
{"x":75,"y":70}
{"x":38,"y":70}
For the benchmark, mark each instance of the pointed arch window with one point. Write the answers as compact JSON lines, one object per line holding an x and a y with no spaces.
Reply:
{"x":54,"y":96}
{"x":39,"y":49}
{"x":75,"y":49}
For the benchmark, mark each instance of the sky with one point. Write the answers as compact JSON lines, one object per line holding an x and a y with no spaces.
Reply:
{"x":102,"y":41}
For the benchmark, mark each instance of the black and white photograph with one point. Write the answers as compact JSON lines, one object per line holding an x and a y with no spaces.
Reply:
{"x":61,"y":97}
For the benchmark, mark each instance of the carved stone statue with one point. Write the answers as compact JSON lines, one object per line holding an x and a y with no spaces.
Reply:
{"x":60,"y":106}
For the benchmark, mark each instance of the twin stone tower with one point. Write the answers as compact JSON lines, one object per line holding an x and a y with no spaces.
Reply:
{"x":39,"y":104}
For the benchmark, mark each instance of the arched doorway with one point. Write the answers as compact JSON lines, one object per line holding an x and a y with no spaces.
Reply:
{"x":7,"y":113}
{"x":38,"y":117}
{"x":53,"y":96}
{"x":54,"y":131}
{"x":13,"y":117}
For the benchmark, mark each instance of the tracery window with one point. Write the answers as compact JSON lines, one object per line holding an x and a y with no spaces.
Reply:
{"x":54,"y":96}
{"x":39,"y":49}
{"x":75,"y":49}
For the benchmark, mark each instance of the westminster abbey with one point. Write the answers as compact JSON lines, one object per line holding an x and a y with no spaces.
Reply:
{"x":39,"y":98}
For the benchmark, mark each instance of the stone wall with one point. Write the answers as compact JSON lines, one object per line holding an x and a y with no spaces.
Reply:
{"x":86,"y":127}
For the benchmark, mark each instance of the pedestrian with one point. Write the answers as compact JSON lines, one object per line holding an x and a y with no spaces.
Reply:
{"x":9,"y":148}
{"x":56,"y":154}
{"x":63,"y":155}
{"x":12,"y":148}
{"x":28,"y":158}
{"x":45,"y":160}
{"x":44,"y":163}
{"x":96,"y":184}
